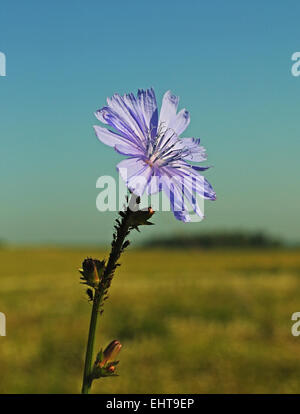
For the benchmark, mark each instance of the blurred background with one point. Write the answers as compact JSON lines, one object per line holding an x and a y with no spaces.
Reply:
{"x":200,"y":307}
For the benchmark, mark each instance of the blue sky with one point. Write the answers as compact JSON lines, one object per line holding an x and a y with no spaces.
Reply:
{"x":230,"y":63}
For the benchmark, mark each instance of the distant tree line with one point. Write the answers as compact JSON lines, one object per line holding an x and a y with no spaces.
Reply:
{"x":222,"y":239}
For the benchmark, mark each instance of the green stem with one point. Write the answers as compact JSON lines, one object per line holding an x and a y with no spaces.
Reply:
{"x":86,"y":385}
{"x":110,"y":267}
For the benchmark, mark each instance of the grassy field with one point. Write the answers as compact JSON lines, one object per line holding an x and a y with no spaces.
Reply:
{"x":189,"y":321}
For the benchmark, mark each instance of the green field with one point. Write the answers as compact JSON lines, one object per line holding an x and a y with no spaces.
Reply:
{"x":189,"y":321}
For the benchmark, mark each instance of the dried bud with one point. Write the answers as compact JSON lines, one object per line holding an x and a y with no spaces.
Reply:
{"x":92,"y":271}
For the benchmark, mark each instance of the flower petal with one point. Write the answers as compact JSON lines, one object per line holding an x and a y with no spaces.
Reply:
{"x":191,"y":193}
{"x":168,"y":109}
{"x":154,"y":186}
{"x":136,"y":174}
{"x":148,"y":106}
{"x":109,"y":137}
{"x":129,"y":150}
{"x":199,"y":183}
{"x":198,"y":168}
{"x":180,"y":122}
{"x":196,"y":152}
{"x":121,"y":144}
{"x":128,"y":109}
{"x":176,"y":201}
{"x":183,"y":195}
{"x":109,"y":117}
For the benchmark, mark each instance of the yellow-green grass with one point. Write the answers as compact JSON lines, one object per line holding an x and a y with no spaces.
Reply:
{"x":189,"y":321}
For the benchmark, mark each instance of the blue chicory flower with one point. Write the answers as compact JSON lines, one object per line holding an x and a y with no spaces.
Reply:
{"x":157,"y":158}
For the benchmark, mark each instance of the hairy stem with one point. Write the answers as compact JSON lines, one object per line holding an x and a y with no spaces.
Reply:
{"x":117,"y":248}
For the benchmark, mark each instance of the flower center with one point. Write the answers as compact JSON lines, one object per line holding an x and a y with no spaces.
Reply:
{"x":165,"y":148}
{"x":150,"y":163}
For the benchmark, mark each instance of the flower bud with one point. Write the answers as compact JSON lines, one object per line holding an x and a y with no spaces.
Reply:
{"x":110,"y":352}
{"x":92,"y":271}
